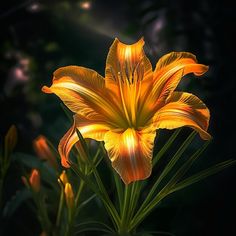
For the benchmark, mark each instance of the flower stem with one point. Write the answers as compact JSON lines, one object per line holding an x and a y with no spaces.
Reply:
{"x":60,"y":208}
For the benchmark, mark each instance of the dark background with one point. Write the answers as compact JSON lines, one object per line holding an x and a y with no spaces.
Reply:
{"x":37,"y":37}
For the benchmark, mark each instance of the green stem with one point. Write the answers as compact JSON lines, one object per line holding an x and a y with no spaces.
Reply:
{"x":71,"y":218}
{"x":104,"y":197}
{"x":60,"y":208}
{"x":166,"y":147}
{"x":42,"y":213}
{"x":139,"y":218}
{"x":134,"y":198}
{"x":125,"y":211}
{"x":119,"y":190}
{"x":81,"y":186}
{"x":103,"y":193}
{"x":167,"y":169}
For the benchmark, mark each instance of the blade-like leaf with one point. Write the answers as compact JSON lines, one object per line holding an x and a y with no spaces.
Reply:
{"x":185,"y":167}
{"x":203,"y":174}
{"x":67,"y":112}
{"x":167,"y":145}
{"x":93,"y":226}
{"x":10,"y":141}
{"x":83,"y":143}
{"x":176,"y":177}
{"x":12,"y":205}
{"x":84,"y":203}
{"x":166,"y":170}
{"x":48,"y":174}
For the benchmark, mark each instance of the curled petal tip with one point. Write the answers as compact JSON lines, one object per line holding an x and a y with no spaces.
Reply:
{"x":46,"y":89}
{"x":206,"y":136}
{"x":64,"y":162}
{"x":202,"y":69}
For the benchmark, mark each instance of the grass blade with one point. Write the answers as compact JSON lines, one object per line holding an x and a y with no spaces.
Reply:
{"x":167,"y":169}
{"x":167,"y":145}
{"x":203,"y":174}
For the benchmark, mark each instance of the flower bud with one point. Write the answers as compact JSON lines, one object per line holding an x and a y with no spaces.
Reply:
{"x":43,"y":151}
{"x":69,"y":195}
{"x":34,"y":180}
{"x":10,"y":140}
{"x":63,"y":177}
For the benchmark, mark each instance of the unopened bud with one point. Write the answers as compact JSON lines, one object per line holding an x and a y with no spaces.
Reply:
{"x":43,"y":151}
{"x":10,"y":140}
{"x":69,"y":195}
{"x":63,"y":177}
{"x":34,"y":180}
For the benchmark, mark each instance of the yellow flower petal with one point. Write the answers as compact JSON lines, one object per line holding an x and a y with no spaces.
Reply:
{"x":82,"y":90}
{"x":126,"y":57}
{"x":170,"y":69}
{"x":184,"y":109}
{"x":167,"y":75}
{"x":131,"y":152}
{"x":127,"y":72}
{"x":87,"y":128}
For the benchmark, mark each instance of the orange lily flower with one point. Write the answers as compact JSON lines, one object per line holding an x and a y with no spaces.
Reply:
{"x":125,"y":108}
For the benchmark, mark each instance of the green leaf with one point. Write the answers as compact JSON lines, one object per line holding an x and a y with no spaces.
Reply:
{"x":28,"y":160}
{"x":84,"y":203}
{"x":174,"y":160}
{"x":185,"y":167}
{"x":119,"y":189}
{"x":203,"y":174}
{"x":159,"y":233}
{"x":93,"y":226}
{"x":83,"y":143}
{"x":167,"y":145}
{"x":166,"y":170}
{"x":100,"y":191}
{"x":175,"y":178}
{"x":10,"y":141}
{"x":12,"y":205}
{"x":67,"y":112}
{"x":48,"y":174}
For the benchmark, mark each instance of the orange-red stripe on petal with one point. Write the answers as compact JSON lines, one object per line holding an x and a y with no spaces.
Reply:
{"x":184,"y":109}
{"x":66,"y":143}
{"x":169,"y":71}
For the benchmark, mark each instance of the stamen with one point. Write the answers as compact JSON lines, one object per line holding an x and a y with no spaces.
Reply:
{"x":113,"y":74}
{"x":122,"y":99}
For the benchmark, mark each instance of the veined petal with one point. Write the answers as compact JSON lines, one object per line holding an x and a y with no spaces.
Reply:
{"x":127,"y":72}
{"x":183,"y":109}
{"x":169,"y":71}
{"x":126,"y":57}
{"x":87,"y":128}
{"x":131,"y":152}
{"x":83,"y":91}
